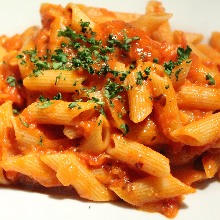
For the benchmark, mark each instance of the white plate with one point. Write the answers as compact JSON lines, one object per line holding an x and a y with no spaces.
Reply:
{"x":192,"y":15}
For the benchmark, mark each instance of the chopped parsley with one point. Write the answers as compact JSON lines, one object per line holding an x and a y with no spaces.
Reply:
{"x":210,"y":79}
{"x":44,"y":102}
{"x":41,"y":141}
{"x":58,"y":78}
{"x":167,"y":86}
{"x":119,"y":114}
{"x":24,"y":123}
{"x":80,"y":51}
{"x":19,"y":56}
{"x":75,"y":82}
{"x":169,"y":66}
{"x":111,"y":103}
{"x":125,"y":44}
{"x":125,"y":128}
{"x":140,"y":77}
{"x":156,"y":60}
{"x":58,"y":96}
{"x":73,"y":105}
{"x":97,"y":101}
{"x":177,"y":73}
{"x":15,"y":111}
{"x":112,"y":89}
{"x":85,"y":26}
{"x":132,"y":66}
{"x":11,"y":81}
{"x":182,"y":54}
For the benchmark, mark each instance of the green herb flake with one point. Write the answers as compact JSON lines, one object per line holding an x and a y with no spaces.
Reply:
{"x":125,"y":44}
{"x":41,"y":141}
{"x":19,"y":56}
{"x":182,"y":55}
{"x":15,"y":112}
{"x":177,"y":73}
{"x":73,"y":105}
{"x":156,"y":60}
{"x":97,"y":101}
{"x":102,"y":111}
{"x":125,"y":128}
{"x":11,"y":81}
{"x":85,"y":26}
{"x":75,"y":83}
{"x":210,"y":79}
{"x":58,"y":96}
{"x":44,"y":102}
{"x":119,"y":114}
{"x":111,"y":103}
{"x":167,"y":86}
{"x":58,"y":78}
{"x":112,"y":89}
{"x":132,"y":66}
{"x":168,"y":67}
{"x":24,"y":123}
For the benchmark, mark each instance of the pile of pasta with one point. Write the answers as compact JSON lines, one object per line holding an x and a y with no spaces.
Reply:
{"x":115,"y":105}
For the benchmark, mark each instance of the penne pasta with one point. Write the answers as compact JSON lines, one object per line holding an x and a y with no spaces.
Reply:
{"x":146,"y":190}
{"x":117,"y":105}
{"x":99,"y":139}
{"x":211,"y":164}
{"x":200,"y":132}
{"x":30,"y":165}
{"x":140,"y":157}
{"x":199,"y":97}
{"x":165,"y":104}
{"x":140,"y":104}
{"x":59,"y":112}
{"x":56,"y":80}
{"x":71,"y":171}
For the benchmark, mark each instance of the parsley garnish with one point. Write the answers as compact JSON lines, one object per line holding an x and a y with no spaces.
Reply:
{"x":119,"y":114}
{"x":124,"y":44}
{"x":177,"y":74}
{"x":15,"y":111}
{"x":58,"y":78}
{"x":44,"y":102}
{"x":73,"y":105}
{"x":156,"y":60}
{"x":169,"y":66}
{"x":24,"y":123}
{"x":140,"y":77}
{"x":111,"y":103}
{"x":85,"y":26}
{"x":58,"y":96}
{"x":182,"y":54}
{"x":112,"y":89}
{"x":81,"y":51}
{"x":102,"y":111}
{"x":41,"y":141}
{"x":132,"y":66}
{"x":11,"y":81}
{"x":125,"y":128}
{"x":97,"y":101}
{"x":210,"y":78}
